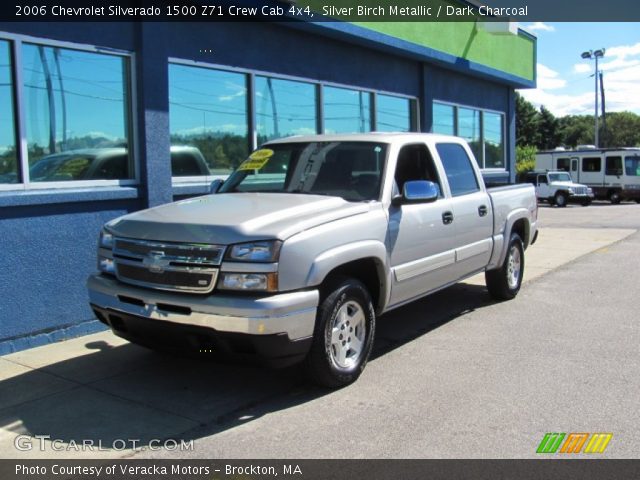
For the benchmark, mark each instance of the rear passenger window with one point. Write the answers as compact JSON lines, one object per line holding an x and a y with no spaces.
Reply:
{"x":457,"y":165}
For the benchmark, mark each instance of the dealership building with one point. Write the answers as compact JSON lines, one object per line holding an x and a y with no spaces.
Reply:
{"x":102,"y":119}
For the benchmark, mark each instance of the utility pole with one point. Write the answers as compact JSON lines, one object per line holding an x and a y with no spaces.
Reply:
{"x":591,"y":54}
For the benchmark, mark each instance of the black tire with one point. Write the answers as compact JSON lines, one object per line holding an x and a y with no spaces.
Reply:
{"x":615,"y":198}
{"x":586,"y":203}
{"x":637,"y":200}
{"x":502,"y":282}
{"x":346,"y":301}
{"x":560,"y":199}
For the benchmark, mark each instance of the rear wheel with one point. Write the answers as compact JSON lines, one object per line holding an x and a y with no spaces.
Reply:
{"x":504,"y":283}
{"x":560,"y":199}
{"x":615,"y":198}
{"x":343,"y":335}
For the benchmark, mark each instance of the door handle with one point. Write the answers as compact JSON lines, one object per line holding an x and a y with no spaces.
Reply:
{"x":483,"y":210}
{"x":447,"y":218}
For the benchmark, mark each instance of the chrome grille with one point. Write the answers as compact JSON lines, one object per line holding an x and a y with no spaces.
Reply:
{"x":581,"y":190}
{"x":167,"y":266}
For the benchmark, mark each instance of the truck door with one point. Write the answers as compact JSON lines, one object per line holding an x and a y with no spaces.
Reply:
{"x":472,"y":214}
{"x":542,"y":188}
{"x":419,"y":235}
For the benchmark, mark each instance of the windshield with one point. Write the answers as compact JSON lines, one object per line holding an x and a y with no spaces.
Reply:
{"x":632,"y":166}
{"x":60,"y":167}
{"x":351,"y":170}
{"x":559,"y":177}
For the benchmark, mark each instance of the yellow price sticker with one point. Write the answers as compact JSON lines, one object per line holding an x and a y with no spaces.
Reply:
{"x":257,"y":160}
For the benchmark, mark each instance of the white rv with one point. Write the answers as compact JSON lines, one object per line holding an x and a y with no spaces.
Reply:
{"x":612,"y":173}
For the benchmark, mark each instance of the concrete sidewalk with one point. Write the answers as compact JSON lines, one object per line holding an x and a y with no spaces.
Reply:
{"x":102,"y":389}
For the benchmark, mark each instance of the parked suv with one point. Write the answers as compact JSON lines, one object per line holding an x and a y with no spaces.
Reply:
{"x":558,"y":189}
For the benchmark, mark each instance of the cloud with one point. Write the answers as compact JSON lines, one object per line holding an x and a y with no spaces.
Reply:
{"x":621,"y":67}
{"x":540,"y":27}
{"x":548,"y":79}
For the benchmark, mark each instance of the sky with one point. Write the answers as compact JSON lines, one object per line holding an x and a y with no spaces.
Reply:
{"x":565,"y":81}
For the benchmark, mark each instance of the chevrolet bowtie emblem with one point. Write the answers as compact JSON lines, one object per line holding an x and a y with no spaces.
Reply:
{"x":155,"y":261}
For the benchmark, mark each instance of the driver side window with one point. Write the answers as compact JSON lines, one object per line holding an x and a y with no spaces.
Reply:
{"x":415,"y":163}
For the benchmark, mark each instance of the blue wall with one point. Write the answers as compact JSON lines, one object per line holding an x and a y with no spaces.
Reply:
{"x":48,"y":238}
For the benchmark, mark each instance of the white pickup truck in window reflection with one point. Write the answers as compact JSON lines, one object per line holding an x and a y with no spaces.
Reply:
{"x":109,"y":164}
{"x":308,"y":241}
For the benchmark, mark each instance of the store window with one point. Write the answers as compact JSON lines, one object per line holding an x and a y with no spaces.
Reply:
{"x":393,"y":114}
{"x":444,"y":119}
{"x":207,"y":120}
{"x":284,"y":108}
{"x":346,"y":111}
{"x":493,"y":140}
{"x":76,"y":114}
{"x":469,"y":129}
{"x":8,"y":156}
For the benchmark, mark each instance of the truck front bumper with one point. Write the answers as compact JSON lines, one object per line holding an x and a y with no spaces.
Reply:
{"x":275,"y":328}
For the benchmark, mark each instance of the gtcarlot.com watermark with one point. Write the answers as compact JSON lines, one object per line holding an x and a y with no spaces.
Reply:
{"x":44,"y":443}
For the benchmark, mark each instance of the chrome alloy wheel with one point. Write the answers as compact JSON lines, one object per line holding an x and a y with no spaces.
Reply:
{"x":514,"y":266}
{"x":348,"y":333}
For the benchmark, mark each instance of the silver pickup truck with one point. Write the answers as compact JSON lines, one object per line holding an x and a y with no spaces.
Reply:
{"x":294,"y":256}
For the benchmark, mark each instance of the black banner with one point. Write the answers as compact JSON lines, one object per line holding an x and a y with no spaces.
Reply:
{"x":320,"y":10}
{"x":318,"y":469}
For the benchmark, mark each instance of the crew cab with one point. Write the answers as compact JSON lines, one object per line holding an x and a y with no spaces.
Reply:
{"x":305,"y":244}
{"x":559,"y":189}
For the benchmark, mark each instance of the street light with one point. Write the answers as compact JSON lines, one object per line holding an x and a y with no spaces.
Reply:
{"x":591,"y":54}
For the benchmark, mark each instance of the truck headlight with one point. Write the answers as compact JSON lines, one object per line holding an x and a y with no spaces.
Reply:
{"x":105,"y":256}
{"x":259,"y":282}
{"x":106,"y":240}
{"x":572,"y":191}
{"x":262,"y":251}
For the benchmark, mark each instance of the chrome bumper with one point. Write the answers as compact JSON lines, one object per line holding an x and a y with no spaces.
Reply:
{"x":292,"y":313}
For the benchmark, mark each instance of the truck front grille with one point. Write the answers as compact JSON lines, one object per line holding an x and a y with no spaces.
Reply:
{"x":581,"y":190}
{"x":167,"y":266}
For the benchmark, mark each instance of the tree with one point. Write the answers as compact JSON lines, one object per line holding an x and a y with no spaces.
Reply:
{"x":527,"y":120}
{"x":550,"y":136}
{"x":576,"y":130}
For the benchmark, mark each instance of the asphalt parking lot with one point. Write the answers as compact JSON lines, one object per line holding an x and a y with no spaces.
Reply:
{"x":454,"y":375}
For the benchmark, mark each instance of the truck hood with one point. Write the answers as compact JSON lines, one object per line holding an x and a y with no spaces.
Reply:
{"x":568,"y":184}
{"x":227,"y":218}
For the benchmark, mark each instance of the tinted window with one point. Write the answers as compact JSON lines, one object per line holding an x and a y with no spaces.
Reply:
{"x":186,"y":164}
{"x":393,"y":114}
{"x":208,"y":111}
{"x":493,"y":140}
{"x":284,"y":108}
{"x":346,"y":111}
{"x":542,"y":179}
{"x":613,"y":166}
{"x":469,"y":129}
{"x":457,"y":165}
{"x":564,"y":164}
{"x":73,"y":100}
{"x":8,"y":162}
{"x":591,"y":164}
{"x":443,"y":119}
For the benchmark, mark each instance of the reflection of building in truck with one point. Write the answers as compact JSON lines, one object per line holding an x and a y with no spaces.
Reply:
{"x":613,"y":174}
{"x":558,"y":188}
{"x":305,"y":244}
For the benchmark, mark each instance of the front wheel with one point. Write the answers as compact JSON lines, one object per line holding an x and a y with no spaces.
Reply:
{"x":504,"y":283}
{"x":615,"y":198}
{"x":560,"y":199}
{"x":343,"y":335}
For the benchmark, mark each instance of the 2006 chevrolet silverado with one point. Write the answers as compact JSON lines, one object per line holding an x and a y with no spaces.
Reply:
{"x":294,"y":256}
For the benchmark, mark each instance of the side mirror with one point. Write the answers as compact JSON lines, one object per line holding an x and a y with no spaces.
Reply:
{"x":418,"y":191}
{"x":215,"y":185}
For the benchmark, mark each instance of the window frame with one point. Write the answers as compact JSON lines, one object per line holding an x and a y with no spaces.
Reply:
{"x":16,"y":42}
{"x":456,"y":118}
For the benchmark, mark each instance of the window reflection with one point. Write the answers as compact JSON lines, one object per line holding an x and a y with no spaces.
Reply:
{"x":284,"y":108}
{"x":208,"y":113}
{"x":493,"y":140}
{"x":444,"y":119}
{"x":393,"y":114}
{"x":469,"y":129}
{"x":8,"y":157}
{"x":346,"y":111}
{"x":76,"y":113}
